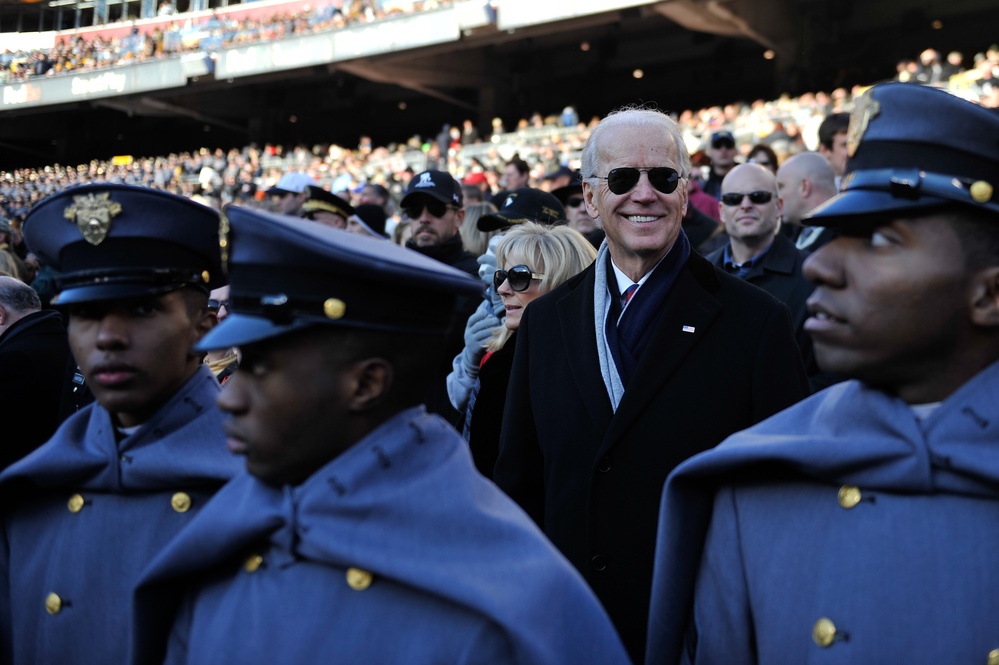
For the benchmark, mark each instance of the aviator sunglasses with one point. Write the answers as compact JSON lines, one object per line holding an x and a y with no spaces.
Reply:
{"x":520,"y":277}
{"x":735,"y":198}
{"x":436,"y":208}
{"x":623,"y":180}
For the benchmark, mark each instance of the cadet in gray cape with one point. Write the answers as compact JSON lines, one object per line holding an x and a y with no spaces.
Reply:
{"x":861,"y":525}
{"x":361,"y":532}
{"x":85,"y":513}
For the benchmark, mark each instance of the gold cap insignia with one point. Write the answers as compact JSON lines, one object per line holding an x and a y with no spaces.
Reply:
{"x":93,"y":214}
{"x":981,"y":191}
{"x":865,"y":110}
{"x":334,"y":308}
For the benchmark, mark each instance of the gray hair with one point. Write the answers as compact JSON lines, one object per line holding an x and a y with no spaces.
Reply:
{"x":18,"y":297}
{"x":638,"y":117}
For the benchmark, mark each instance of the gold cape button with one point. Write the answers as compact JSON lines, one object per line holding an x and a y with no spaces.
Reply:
{"x":206,"y":276}
{"x":334,"y":308}
{"x":53,"y":603}
{"x":181,"y":502}
{"x":358,"y":579}
{"x":824,"y":632}
{"x":849,"y":496}
{"x":253,"y":562}
{"x":993,"y":657}
{"x":981,"y":191}
{"x":75,"y":503}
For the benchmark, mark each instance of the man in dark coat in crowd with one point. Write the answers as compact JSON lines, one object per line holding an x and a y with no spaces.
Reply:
{"x":35,"y":369}
{"x":608,"y":392}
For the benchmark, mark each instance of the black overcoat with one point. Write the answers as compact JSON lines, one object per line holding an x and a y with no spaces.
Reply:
{"x":722,"y":358}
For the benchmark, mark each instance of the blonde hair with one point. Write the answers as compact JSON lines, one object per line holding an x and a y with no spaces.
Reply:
{"x":475,"y":241}
{"x":557,"y":251}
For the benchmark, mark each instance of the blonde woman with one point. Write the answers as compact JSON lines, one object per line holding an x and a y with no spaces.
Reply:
{"x":533,"y":260}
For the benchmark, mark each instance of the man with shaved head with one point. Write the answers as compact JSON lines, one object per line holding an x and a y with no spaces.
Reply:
{"x":757,"y":252}
{"x":803,"y":182}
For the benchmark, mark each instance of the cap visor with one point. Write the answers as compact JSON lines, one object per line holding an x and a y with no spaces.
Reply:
{"x":850,"y":205}
{"x":239,"y":329}
{"x":100,"y":292}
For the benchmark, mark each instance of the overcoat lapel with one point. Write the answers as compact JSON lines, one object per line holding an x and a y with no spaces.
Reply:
{"x":575,"y":311}
{"x":689,"y":307}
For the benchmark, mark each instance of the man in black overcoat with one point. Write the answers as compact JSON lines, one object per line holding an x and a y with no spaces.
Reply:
{"x":35,"y":370}
{"x":646,"y":358}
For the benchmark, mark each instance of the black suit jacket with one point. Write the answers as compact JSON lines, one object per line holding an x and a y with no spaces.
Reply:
{"x":592,"y":478}
{"x":35,"y":371}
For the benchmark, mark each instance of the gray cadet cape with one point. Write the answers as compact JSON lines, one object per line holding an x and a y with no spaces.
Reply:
{"x":397,"y":551}
{"x":841,"y":530}
{"x":84,"y":514}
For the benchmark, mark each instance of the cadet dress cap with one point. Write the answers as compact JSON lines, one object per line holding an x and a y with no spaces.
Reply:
{"x":524,"y":205}
{"x":291,"y":183}
{"x":372,"y":217}
{"x":322,"y":201}
{"x":913,"y":149}
{"x":438,"y":184}
{"x":286,"y":276}
{"x":575,"y":186}
{"x":113,"y":241}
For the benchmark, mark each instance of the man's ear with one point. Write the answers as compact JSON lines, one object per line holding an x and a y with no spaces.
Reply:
{"x":373,"y":378}
{"x":205,"y":322}
{"x":984,"y":291}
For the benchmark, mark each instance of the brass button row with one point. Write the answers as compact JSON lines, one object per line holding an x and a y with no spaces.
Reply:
{"x":180,"y":502}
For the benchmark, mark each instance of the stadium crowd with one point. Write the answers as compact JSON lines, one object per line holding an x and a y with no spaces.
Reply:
{"x":190,"y":33}
{"x":708,"y":386}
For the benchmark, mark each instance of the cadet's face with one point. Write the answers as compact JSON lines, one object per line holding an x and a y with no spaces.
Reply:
{"x":330,"y":219}
{"x":287,"y":406}
{"x":890,"y":306}
{"x":135,"y":354}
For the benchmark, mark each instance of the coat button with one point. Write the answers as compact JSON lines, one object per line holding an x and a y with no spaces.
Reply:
{"x":53,"y":603}
{"x":599,"y":562}
{"x":824,"y":632}
{"x":75,"y":503}
{"x":993,"y":657}
{"x":604,"y":465}
{"x":849,"y":496}
{"x":181,"y":502}
{"x":252,"y":563}
{"x":358,"y":579}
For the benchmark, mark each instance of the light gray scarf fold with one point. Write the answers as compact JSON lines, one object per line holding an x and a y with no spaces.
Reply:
{"x":601,"y":310}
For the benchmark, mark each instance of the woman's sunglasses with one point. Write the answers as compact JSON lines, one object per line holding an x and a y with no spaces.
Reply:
{"x":756,"y":198}
{"x":623,"y":180}
{"x":519,"y":276}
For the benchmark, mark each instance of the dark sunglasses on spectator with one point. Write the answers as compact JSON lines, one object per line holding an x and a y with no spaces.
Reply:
{"x":735,"y":198}
{"x":724,"y":143}
{"x":436,"y":208}
{"x":520,"y":277}
{"x":623,"y":180}
{"x":216,"y":305}
{"x":574,"y":202}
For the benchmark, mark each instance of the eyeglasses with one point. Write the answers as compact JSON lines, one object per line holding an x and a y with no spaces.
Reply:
{"x":623,"y":180}
{"x":435,"y":207}
{"x":574,"y":202}
{"x":735,"y":198}
{"x":215,"y":305}
{"x":724,"y":143}
{"x":519,"y":276}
